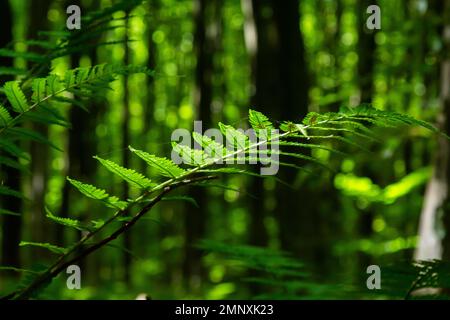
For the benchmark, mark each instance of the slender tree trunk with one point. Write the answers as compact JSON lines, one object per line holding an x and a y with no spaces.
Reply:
{"x":151,"y":64}
{"x":366,"y":50}
{"x":445,"y":98}
{"x":280,"y":79}
{"x":295,"y":209}
{"x":12,"y":225}
{"x":82,"y":145}
{"x":127,"y":240}
{"x":252,"y":32}
{"x":206,"y":27}
{"x":40,"y":231}
{"x":366,"y":62}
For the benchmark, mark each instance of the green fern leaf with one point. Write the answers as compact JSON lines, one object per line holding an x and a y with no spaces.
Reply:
{"x":48,"y":246}
{"x":72,"y":223}
{"x":97,"y":224}
{"x":34,"y":136}
{"x":259,"y":121}
{"x":164,"y":166}
{"x":54,"y":33}
{"x":74,"y":102}
{"x":53,"y":84}
{"x":10,"y":192}
{"x":30,"y":56}
{"x":303,"y":157}
{"x":38,"y":86}
{"x":13,"y":163}
{"x":9,"y":71}
{"x":8,"y":212}
{"x":211,"y":147}
{"x":192,"y":157}
{"x":349,"y":131}
{"x":307,"y":145}
{"x":69,"y":78}
{"x":181,"y":198}
{"x":39,"y":43}
{"x":12,"y":149}
{"x":47,"y":114}
{"x":82,"y":74}
{"x":5,"y":117}
{"x":236,"y":137}
{"x":98,"y":194}
{"x":241,"y":172}
{"x":129,"y":175}
{"x":7,"y":268}
{"x":15,"y":96}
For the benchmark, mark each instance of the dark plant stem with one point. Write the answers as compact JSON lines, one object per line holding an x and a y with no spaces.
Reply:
{"x":58,"y":268}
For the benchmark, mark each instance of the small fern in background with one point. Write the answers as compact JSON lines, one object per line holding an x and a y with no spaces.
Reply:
{"x":283,"y":277}
{"x":415,"y":280}
{"x":56,"y":44}
{"x":276,"y":273}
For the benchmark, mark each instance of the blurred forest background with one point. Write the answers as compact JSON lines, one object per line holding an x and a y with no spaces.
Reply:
{"x":213,"y":59}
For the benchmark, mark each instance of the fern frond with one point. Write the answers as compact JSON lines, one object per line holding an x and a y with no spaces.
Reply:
{"x":6,"y":268}
{"x":212,"y":148}
{"x":135,"y":178}
{"x":29,"y":134}
{"x":236,"y":137}
{"x":46,"y":114}
{"x":13,"y":163}
{"x":39,"y":89}
{"x":405,"y":280}
{"x":303,"y":157}
{"x":181,"y":198}
{"x":67,"y":222}
{"x":387,"y":116}
{"x":16,"y":96}
{"x":29,"y":56}
{"x":164,"y":166}
{"x":5,"y":117}
{"x":9,"y":212}
{"x":203,"y":162}
{"x":48,"y":246}
{"x":40,"y":43}
{"x":307,"y":145}
{"x":258,"y":120}
{"x":98,"y":194}
{"x":349,"y":131}
{"x":13,"y":149}
{"x":192,"y":157}
{"x":11,"y":71}
{"x":10,"y":192}
{"x":53,"y":86}
{"x":83,"y":82}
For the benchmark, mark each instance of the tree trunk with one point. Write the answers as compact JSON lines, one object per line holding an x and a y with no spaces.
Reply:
{"x":79,"y":164}
{"x":255,"y":41}
{"x":127,"y":240}
{"x":40,"y":230}
{"x":280,"y":81}
{"x":207,"y":20}
{"x":366,"y":62}
{"x":12,"y":225}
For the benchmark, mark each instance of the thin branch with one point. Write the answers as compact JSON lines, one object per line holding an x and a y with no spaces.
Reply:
{"x":54,"y":271}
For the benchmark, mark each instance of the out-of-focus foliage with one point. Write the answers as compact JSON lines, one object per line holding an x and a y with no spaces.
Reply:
{"x":366,"y":200}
